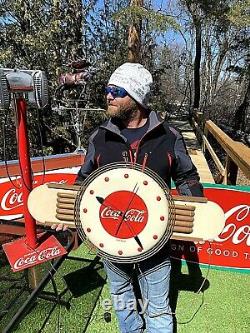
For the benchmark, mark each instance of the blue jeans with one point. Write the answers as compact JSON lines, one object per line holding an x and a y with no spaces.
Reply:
{"x":153,"y":275}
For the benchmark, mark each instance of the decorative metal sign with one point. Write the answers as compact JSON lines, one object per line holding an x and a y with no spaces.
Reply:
{"x":231,"y":249}
{"x":21,"y":256}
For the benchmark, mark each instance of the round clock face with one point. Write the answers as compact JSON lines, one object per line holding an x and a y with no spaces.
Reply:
{"x":120,"y":220}
{"x":125,"y":213}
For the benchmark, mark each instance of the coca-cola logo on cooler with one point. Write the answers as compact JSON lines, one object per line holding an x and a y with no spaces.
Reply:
{"x":123,"y":214}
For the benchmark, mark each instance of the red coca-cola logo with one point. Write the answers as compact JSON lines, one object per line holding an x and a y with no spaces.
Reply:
{"x":35,"y":258}
{"x":11,"y":198}
{"x":237,"y":229}
{"x":123,"y":214}
{"x":22,"y":256}
{"x":231,"y":247}
{"x":25,"y":262}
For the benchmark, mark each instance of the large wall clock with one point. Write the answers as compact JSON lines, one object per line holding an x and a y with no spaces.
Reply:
{"x":125,"y":211}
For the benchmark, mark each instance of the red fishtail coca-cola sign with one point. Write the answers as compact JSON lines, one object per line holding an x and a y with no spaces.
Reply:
{"x":232,"y":248}
{"x":11,"y":193}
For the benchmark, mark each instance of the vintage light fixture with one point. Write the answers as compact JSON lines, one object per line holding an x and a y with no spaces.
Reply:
{"x":32,"y":84}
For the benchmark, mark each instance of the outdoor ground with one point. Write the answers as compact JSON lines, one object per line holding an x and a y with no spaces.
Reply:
{"x":222,"y":306}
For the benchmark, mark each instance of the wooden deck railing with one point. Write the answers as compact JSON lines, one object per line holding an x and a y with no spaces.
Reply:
{"x":237,"y":154}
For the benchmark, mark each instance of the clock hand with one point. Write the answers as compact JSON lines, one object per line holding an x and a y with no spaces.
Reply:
{"x":135,"y":190}
{"x":101,"y":201}
{"x":138,"y":241}
{"x":132,"y":232}
{"x":135,"y":237}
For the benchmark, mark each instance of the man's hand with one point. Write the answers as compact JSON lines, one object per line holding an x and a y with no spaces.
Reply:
{"x":59,"y":227}
{"x":199,"y":242}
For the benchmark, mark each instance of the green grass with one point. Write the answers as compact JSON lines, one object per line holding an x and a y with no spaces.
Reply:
{"x":225,"y":305}
{"x":222,"y":307}
{"x":85,"y":287}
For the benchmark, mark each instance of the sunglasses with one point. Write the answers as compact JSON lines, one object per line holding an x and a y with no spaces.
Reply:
{"x":116,"y":91}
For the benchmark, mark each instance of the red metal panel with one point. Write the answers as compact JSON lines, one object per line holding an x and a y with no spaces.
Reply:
{"x":53,"y":162}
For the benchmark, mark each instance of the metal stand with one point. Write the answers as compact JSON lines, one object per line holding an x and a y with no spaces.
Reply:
{"x":25,"y":168}
{"x":39,"y":293}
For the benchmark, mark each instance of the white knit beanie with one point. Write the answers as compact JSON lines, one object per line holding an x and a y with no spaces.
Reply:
{"x":135,"y":79}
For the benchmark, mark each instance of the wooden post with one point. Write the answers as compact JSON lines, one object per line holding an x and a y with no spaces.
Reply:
{"x":200,"y":122}
{"x":231,"y":170}
{"x":203,"y":141}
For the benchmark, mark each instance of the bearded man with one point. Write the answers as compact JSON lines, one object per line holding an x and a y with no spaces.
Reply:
{"x":135,"y":134}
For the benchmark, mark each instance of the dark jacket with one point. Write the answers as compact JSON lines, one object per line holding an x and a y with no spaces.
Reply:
{"x":161,"y":149}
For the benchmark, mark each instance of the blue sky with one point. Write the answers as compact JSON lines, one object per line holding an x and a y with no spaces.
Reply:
{"x":171,"y":36}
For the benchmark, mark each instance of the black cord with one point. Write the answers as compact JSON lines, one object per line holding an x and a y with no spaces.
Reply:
{"x":54,"y":288}
{"x":197,"y":292}
{"x":22,"y":176}
{"x":42,"y":145}
{"x":21,"y":171}
{"x":194,"y":314}
{"x":4,"y":153}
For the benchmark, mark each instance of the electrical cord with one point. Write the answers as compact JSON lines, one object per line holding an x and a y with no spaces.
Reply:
{"x":5,"y":150}
{"x":53,"y":285}
{"x":41,"y":146}
{"x":14,"y":96}
{"x":197,"y":292}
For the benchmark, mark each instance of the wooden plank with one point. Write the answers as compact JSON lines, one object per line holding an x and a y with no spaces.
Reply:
{"x":197,"y":156}
{"x":64,"y":186}
{"x":66,"y":195}
{"x":202,"y":167}
{"x":185,"y":207}
{"x":214,"y":156}
{"x":231,"y":171}
{"x":190,"y":199}
{"x":240,"y":157}
{"x":205,"y":143}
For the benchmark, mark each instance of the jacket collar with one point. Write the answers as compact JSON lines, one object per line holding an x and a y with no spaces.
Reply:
{"x":154,"y":122}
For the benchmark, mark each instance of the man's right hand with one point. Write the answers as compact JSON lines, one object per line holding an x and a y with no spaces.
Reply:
{"x":59,"y":227}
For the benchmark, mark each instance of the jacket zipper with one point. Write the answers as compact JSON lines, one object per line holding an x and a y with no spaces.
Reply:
{"x":134,"y":159}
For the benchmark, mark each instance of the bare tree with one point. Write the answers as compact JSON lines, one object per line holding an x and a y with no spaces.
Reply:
{"x":134,"y":36}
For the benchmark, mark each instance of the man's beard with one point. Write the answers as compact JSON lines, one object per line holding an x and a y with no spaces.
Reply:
{"x":121,"y":112}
